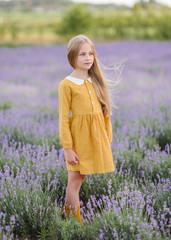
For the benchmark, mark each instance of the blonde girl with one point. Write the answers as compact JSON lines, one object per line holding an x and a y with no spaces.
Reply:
{"x":85,"y":129}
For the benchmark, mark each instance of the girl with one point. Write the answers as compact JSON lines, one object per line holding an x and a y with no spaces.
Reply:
{"x":85,"y":129}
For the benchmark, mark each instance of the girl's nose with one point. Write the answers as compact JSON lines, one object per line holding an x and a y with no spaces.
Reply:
{"x":88,"y":56}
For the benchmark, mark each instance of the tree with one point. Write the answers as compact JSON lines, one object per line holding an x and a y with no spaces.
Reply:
{"x":76,"y":20}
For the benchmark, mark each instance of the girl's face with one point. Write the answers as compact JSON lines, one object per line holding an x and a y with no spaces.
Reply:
{"x":85,"y":57}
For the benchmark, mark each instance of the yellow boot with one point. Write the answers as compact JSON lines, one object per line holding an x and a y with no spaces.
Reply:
{"x":78,"y":215}
{"x":72,"y":211}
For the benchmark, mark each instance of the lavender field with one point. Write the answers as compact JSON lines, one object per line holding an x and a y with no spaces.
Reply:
{"x":131,"y":203}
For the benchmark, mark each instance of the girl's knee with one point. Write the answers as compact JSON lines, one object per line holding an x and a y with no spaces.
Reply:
{"x":74,"y":186}
{"x":75,"y":180}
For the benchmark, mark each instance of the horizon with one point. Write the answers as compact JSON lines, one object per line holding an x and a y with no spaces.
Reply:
{"x":129,"y":3}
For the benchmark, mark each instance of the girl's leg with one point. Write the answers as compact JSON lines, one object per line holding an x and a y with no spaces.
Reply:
{"x":72,"y":206}
{"x":75,"y":179}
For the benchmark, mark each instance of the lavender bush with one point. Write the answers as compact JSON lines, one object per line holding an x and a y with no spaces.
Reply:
{"x":131,"y":203}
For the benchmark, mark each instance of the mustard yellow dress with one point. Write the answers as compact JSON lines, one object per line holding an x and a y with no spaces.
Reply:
{"x":83,"y":127}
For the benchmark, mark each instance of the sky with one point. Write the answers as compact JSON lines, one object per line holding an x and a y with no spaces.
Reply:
{"x":127,"y":2}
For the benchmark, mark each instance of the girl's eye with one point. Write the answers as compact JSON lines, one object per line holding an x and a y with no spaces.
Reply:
{"x":82,"y":54}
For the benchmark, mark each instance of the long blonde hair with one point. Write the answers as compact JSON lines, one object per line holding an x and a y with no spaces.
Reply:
{"x":99,"y":81}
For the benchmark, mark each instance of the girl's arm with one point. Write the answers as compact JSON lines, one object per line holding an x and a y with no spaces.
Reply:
{"x":64,"y":94}
{"x":108,"y":127}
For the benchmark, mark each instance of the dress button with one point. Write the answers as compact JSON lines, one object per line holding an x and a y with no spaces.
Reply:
{"x":89,"y":91}
{"x":92,"y":102}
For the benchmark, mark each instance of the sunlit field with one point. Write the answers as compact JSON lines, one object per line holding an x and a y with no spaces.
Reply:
{"x":131,"y":203}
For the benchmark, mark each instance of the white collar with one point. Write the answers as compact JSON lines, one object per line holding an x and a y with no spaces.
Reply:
{"x":77,"y":81}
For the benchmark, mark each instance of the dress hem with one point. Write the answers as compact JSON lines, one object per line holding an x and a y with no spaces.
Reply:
{"x":89,"y":173}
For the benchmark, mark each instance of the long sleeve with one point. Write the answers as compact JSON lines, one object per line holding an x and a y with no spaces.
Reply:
{"x":64,"y":94}
{"x":108,"y":127}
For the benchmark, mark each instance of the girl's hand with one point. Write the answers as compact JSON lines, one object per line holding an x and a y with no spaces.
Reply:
{"x":71,"y":157}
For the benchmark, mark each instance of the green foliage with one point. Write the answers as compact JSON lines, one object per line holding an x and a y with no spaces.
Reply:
{"x":155,"y":125}
{"x":76,"y":20}
{"x":18,"y":135}
{"x":112,"y":226}
{"x":46,"y":234}
{"x":146,"y":23}
{"x":136,"y":25}
{"x":164,"y":137}
{"x":5,"y":105}
{"x":72,"y":230}
{"x":33,"y":211}
{"x":11,"y":28}
{"x":163,"y":31}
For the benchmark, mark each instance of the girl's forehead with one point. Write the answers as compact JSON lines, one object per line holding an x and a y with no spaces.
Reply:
{"x":85,"y":47}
